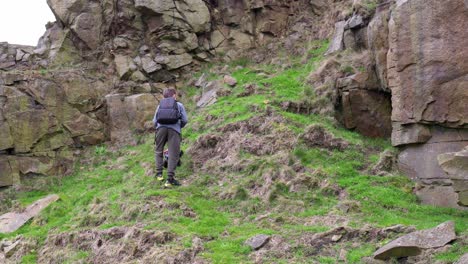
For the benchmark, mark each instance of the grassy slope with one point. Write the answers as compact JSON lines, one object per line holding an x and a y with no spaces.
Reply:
{"x":116,"y":184}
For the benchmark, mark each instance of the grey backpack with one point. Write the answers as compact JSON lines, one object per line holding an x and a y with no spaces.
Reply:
{"x":168,"y":111}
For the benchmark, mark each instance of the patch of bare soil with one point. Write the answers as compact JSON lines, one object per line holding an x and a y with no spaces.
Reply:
{"x":263,"y":146}
{"x":277,"y":247}
{"x":119,"y":245}
{"x":12,"y":251}
{"x":258,"y":136}
{"x":317,"y":136}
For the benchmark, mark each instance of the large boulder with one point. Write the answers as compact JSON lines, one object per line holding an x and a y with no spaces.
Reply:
{"x":85,"y":27}
{"x":65,"y":10}
{"x":419,"y":161}
{"x":58,"y":47}
{"x":196,"y":14}
{"x":84,"y":18}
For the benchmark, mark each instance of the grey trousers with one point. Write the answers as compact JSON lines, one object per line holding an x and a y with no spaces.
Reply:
{"x":172,"y":138}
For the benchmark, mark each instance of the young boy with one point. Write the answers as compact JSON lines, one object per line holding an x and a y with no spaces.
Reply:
{"x":170,"y":117}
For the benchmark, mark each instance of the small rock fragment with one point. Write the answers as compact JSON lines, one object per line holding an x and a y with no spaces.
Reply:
{"x":19,"y":54}
{"x":386,"y":165}
{"x":149,"y":65}
{"x":257,"y":241}
{"x":229,"y":80}
{"x":10,"y":250}
{"x":354,"y":22}
{"x":336,"y":238}
{"x":210,"y":95}
{"x":201,"y":81}
{"x":337,"y":42}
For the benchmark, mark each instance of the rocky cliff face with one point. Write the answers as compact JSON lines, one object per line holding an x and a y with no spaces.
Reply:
{"x":98,"y":71}
{"x":395,"y":69}
{"x":429,"y":84}
{"x":417,"y":50}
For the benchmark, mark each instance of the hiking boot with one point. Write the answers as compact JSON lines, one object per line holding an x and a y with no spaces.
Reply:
{"x":171,"y":183}
{"x":159,"y":177}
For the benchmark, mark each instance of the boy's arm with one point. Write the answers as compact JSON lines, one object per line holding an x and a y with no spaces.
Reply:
{"x":183,"y":116}
{"x":154,"y":118}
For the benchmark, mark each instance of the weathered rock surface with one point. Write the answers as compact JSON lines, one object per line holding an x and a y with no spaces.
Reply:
{"x":367,"y":112}
{"x":463,"y":259}
{"x":128,"y":114}
{"x":378,"y":42}
{"x":420,"y":163}
{"x":425,"y":71}
{"x":415,"y":66}
{"x":43,"y":117}
{"x":410,"y":134}
{"x":124,"y":66}
{"x":9,"y":172}
{"x":426,"y":76}
{"x":412,"y":244}
{"x":455,"y":164}
{"x":10,"y":222}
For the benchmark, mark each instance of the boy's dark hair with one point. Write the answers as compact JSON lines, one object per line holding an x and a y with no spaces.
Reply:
{"x":169,"y":92}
